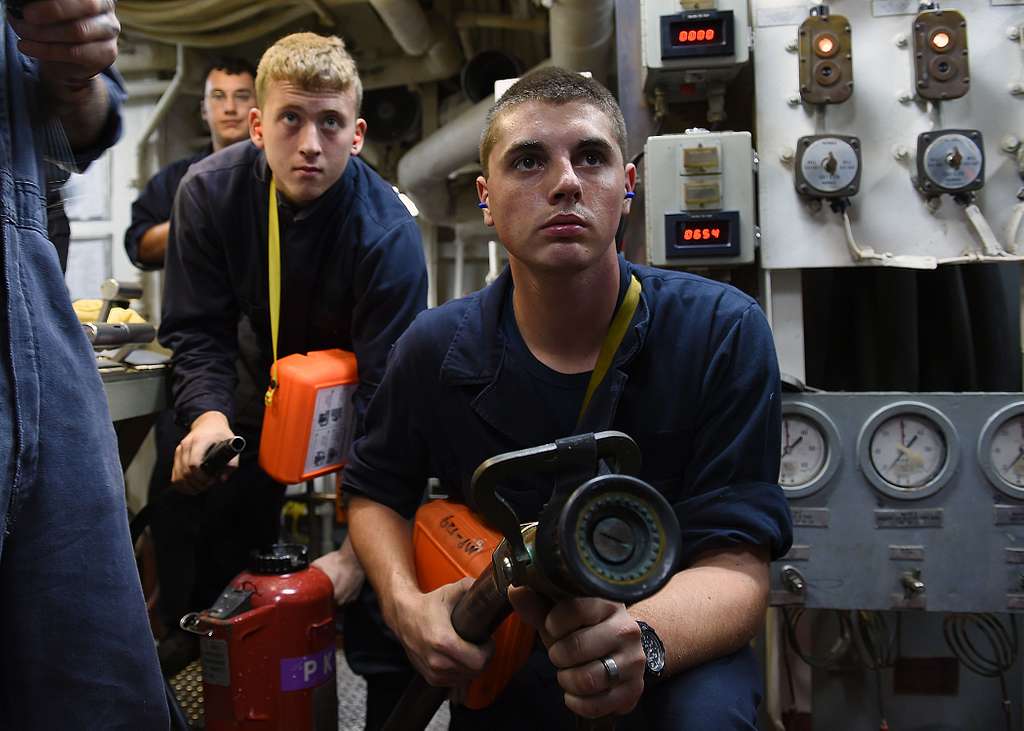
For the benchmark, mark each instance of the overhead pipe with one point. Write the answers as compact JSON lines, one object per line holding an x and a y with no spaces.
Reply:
{"x":441,"y":59}
{"x":408,"y":24}
{"x":163,"y":106}
{"x":581,"y":35}
{"x":424,"y":170}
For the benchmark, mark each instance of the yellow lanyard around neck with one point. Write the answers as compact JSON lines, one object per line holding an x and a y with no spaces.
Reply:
{"x":274,"y":274}
{"x":612,"y":341}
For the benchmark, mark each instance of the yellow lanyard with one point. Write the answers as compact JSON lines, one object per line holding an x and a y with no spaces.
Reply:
{"x":274,"y":273}
{"x":612,"y":341}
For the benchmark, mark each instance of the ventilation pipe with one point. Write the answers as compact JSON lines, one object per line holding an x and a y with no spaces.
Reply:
{"x":581,"y":36}
{"x":440,"y":59}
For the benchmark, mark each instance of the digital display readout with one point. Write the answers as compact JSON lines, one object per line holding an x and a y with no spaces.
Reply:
{"x":695,"y":34}
{"x":689,"y":32}
{"x":702,"y":234}
{"x":713,"y":232}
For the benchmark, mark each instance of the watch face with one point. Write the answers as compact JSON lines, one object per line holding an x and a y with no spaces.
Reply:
{"x":654,"y":650}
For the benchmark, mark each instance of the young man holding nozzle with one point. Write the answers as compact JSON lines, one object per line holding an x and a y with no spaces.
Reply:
{"x":352,"y":277}
{"x":694,"y":382}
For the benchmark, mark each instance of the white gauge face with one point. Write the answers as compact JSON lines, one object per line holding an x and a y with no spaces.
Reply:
{"x":804,"y":451}
{"x":829,"y":164}
{"x":1007,"y":450}
{"x":908,"y":451}
{"x":953,"y":161}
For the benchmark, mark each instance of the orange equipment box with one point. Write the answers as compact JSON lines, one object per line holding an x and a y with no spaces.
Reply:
{"x":451,"y":543}
{"x":307,"y":428}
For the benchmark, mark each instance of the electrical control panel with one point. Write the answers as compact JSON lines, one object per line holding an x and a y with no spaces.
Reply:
{"x":699,"y":190}
{"x":940,"y":55}
{"x":676,"y":39}
{"x":920,"y":136}
{"x":826,"y":58}
{"x":903,"y":501}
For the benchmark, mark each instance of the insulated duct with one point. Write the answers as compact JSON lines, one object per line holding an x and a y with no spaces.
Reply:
{"x":581,"y":33}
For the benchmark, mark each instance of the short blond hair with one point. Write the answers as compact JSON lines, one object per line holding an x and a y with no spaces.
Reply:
{"x":312,"y":62}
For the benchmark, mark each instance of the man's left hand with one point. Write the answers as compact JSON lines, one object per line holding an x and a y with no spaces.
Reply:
{"x":345,"y":572}
{"x":579,"y":634}
{"x":75,"y":39}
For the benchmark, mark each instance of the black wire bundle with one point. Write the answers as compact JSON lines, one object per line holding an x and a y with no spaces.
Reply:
{"x":837,"y":656}
{"x":876,"y":649}
{"x":958,"y":630}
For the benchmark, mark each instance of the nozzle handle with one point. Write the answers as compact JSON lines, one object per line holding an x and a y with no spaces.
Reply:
{"x":219,"y":454}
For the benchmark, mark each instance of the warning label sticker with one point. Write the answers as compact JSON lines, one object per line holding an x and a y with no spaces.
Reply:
{"x":330,"y":434}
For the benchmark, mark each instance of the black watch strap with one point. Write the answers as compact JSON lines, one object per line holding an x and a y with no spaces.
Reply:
{"x":654,"y":652}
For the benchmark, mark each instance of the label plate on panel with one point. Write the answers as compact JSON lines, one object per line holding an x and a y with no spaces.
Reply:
{"x":906,"y":553}
{"x":881,"y":8}
{"x":810,"y":517}
{"x":791,"y":15}
{"x":926,"y":518}
{"x":1015,"y":555}
{"x":798,"y":553}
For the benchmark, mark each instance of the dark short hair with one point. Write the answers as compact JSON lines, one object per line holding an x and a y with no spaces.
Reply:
{"x":232,"y":65}
{"x":552,"y":85}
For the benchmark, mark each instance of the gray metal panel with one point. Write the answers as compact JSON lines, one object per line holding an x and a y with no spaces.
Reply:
{"x":135,"y":391}
{"x":859,"y":540}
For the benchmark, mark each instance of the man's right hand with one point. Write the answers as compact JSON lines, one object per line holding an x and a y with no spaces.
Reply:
{"x":208,"y":429}
{"x":424,"y":625}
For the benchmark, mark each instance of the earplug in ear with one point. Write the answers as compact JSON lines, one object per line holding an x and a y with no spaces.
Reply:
{"x":630,"y":194}
{"x":481,"y":204}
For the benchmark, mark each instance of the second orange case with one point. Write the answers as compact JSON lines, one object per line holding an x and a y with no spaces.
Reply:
{"x":451,"y":543}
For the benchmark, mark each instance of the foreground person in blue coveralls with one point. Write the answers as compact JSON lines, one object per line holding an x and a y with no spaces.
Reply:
{"x":75,"y":647}
{"x":695,"y":382}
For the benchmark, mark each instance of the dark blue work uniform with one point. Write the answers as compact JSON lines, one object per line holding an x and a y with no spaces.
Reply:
{"x":76,"y":651}
{"x":695,"y":383}
{"x":154,"y":204}
{"x":353,"y":277}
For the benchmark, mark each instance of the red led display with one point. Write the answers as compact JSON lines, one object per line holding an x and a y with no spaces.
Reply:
{"x":691,"y":36}
{"x":703,"y":232}
{"x":688,"y":33}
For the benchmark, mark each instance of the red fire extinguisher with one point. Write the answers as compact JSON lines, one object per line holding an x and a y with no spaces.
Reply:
{"x":267,"y":647}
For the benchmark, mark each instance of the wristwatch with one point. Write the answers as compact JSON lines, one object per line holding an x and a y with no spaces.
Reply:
{"x":654,"y":651}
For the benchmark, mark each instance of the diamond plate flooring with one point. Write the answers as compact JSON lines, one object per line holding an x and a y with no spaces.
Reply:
{"x":188,"y":687}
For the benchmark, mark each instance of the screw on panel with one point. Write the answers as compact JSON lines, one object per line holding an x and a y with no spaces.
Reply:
{"x":786,"y":154}
{"x":934,"y":202}
{"x":905,"y":97}
{"x":1016,"y":88}
{"x":792,"y":46}
{"x":1009,"y":143}
{"x":1013,"y":33}
{"x":900,"y":152}
{"x":793,"y":100}
{"x":900,"y":40}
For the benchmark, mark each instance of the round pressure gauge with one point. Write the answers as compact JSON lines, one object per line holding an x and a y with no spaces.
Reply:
{"x":908,"y":450}
{"x":953,"y":161}
{"x":828,"y":166}
{"x":810,"y":452}
{"x":1001,"y":450}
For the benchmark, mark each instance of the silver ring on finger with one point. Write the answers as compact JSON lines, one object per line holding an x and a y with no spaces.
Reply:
{"x":611,"y":669}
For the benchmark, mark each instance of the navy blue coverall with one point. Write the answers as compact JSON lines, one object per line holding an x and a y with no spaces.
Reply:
{"x":695,"y":382}
{"x":76,"y":651}
{"x":353,"y":277}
